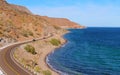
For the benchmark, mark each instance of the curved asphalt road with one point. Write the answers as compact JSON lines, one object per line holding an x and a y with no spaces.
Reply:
{"x":9,"y":65}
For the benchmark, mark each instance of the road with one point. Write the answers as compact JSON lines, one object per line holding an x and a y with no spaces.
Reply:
{"x":8,"y":64}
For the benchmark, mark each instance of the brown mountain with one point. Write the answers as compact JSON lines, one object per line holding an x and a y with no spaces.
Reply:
{"x":62,"y":22}
{"x":18,"y":23}
{"x":21,"y":8}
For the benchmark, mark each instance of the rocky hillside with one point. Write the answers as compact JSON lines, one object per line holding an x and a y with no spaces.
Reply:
{"x":18,"y":23}
{"x":21,"y":8}
{"x":62,"y":22}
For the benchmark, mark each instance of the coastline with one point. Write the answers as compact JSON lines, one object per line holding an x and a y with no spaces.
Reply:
{"x":43,"y":49}
{"x":46,"y":58}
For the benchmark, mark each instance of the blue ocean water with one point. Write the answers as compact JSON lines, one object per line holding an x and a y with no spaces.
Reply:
{"x":91,"y":51}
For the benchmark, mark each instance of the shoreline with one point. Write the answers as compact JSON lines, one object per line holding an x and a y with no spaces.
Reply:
{"x":46,"y":57}
{"x":43,"y":49}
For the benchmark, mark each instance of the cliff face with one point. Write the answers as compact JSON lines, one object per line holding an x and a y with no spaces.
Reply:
{"x":17,"y":22}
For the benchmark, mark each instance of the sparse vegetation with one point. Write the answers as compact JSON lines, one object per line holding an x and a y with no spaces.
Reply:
{"x":26,"y":33}
{"x":17,"y":24}
{"x":37,"y":69}
{"x":56,"y":27}
{"x":30,"y":33}
{"x":30,"y":49}
{"x":0,"y":32}
{"x":23,"y":61}
{"x":46,"y":72}
{"x":55,"y":42}
{"x":34,"y":63}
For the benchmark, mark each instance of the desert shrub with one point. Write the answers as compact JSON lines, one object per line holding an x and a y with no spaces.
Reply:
{"x":46,"y":72}
{"x":23,"y":61}
{"x":55,"y":42}
{"x":37,"y":69}
{"x":56,"y":27}
{"x":30,"y":49}
{"x":26,"y":33}
{"x":28,"y":65}
{"x":15,"y":55}
{"x":34,"y":63}
{"x":30,"y":33}
{"x":0,"y":32}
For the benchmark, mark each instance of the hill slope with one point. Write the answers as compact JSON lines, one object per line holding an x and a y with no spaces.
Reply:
{"x":18,"y":23}
{"x":62,"y":22}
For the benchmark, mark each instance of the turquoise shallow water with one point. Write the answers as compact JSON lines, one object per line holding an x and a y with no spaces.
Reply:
{"x":91,"y":51}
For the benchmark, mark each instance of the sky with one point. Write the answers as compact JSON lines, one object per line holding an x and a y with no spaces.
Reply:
{"x":90,"y":13}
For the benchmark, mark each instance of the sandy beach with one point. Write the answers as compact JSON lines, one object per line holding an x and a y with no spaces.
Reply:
{"x":43,"y":48}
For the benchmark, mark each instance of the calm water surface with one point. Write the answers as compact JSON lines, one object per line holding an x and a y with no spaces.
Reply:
{"x":91,"y":51}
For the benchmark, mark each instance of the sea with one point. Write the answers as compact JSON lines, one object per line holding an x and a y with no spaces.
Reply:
{"x":90,"y":51}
